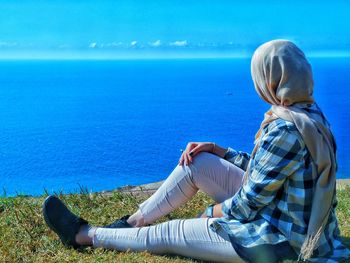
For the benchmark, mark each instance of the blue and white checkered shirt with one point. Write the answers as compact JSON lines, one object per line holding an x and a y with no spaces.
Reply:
{"x":274,"y":205}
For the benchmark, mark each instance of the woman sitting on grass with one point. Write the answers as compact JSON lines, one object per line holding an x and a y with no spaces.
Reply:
{"x":277,"y":203}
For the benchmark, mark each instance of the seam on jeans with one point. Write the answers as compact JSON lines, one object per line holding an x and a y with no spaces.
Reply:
{"x":167,"y":200}
{"x":178,"y":185}
{"x":208,"y":228}
{"x":142,"y":213}
{"x":190,"y":173}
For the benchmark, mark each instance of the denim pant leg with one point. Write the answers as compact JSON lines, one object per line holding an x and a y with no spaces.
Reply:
{"x":213,"y":175}
{"x":191,"y":238}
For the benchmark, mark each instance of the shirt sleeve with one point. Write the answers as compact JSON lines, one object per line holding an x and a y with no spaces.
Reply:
{"x":279,"y":156}
{"x":238,"y":158}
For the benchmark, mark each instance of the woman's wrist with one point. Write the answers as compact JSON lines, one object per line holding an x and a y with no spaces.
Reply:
{"x":213,"y":147}
{"x":217,"y":210}
{"x":218,"y":150}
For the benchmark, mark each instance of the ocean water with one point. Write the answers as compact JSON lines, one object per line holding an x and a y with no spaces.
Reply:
{"x":106,"y":124}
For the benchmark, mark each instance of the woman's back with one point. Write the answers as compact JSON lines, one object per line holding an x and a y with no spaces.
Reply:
{"x":276,"y":200}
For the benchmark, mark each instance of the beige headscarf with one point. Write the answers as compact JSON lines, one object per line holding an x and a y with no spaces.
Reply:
{"x":283,"y":77}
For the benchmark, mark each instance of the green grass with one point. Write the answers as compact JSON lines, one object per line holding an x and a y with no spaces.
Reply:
{"x":24,"y":236}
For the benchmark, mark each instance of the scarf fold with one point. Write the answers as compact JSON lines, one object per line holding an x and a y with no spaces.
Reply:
{"x":283,"y":77}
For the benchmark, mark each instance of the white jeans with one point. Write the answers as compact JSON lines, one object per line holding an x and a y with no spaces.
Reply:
{"x":186,"y":237}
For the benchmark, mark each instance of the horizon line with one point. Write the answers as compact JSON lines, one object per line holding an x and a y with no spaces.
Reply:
{"x":218,"y":54}
{"x":102,"y":58}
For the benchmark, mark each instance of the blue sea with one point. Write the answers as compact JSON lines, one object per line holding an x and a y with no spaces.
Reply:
{"x":105,"y":124}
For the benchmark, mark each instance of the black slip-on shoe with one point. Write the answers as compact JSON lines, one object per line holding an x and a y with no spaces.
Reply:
{"x":62,"y":221}
{"x":119,"y":223}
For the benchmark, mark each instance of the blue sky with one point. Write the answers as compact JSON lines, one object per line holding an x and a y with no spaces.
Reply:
{"x":117,"y":29}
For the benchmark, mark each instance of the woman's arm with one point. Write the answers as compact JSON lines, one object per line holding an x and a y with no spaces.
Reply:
{"x":238,"y":158}
{"x":194,"y":148}
{"x":218,"y":150}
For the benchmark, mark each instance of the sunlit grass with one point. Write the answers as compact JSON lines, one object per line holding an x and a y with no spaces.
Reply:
{"x":24,"y":236}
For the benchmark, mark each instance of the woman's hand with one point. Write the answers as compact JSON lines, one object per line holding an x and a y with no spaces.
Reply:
{"x":193,"y":148}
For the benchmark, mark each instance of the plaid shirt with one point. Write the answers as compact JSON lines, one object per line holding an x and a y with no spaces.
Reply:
{"x":275,"y":204}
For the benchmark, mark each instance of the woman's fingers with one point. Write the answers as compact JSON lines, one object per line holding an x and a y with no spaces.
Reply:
{"x":181,"y":160}
{"x":190,"y":146}
{"x":192,"y":149}
{"x":188,"y":159}
{"x":195,"y":150}
{"x":187,"y":156}
{"x":184,"y":159}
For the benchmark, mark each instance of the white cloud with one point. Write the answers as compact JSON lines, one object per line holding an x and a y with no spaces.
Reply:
{"x":179,"y":43}
{"x":156,"y":43}
{"x":133,"y":43}
{"x":93,"y":45}
{"x":113,"y":44}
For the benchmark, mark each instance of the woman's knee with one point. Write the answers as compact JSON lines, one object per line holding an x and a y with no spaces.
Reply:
{"x":203,"y":161}
{"x":204,"y":165}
